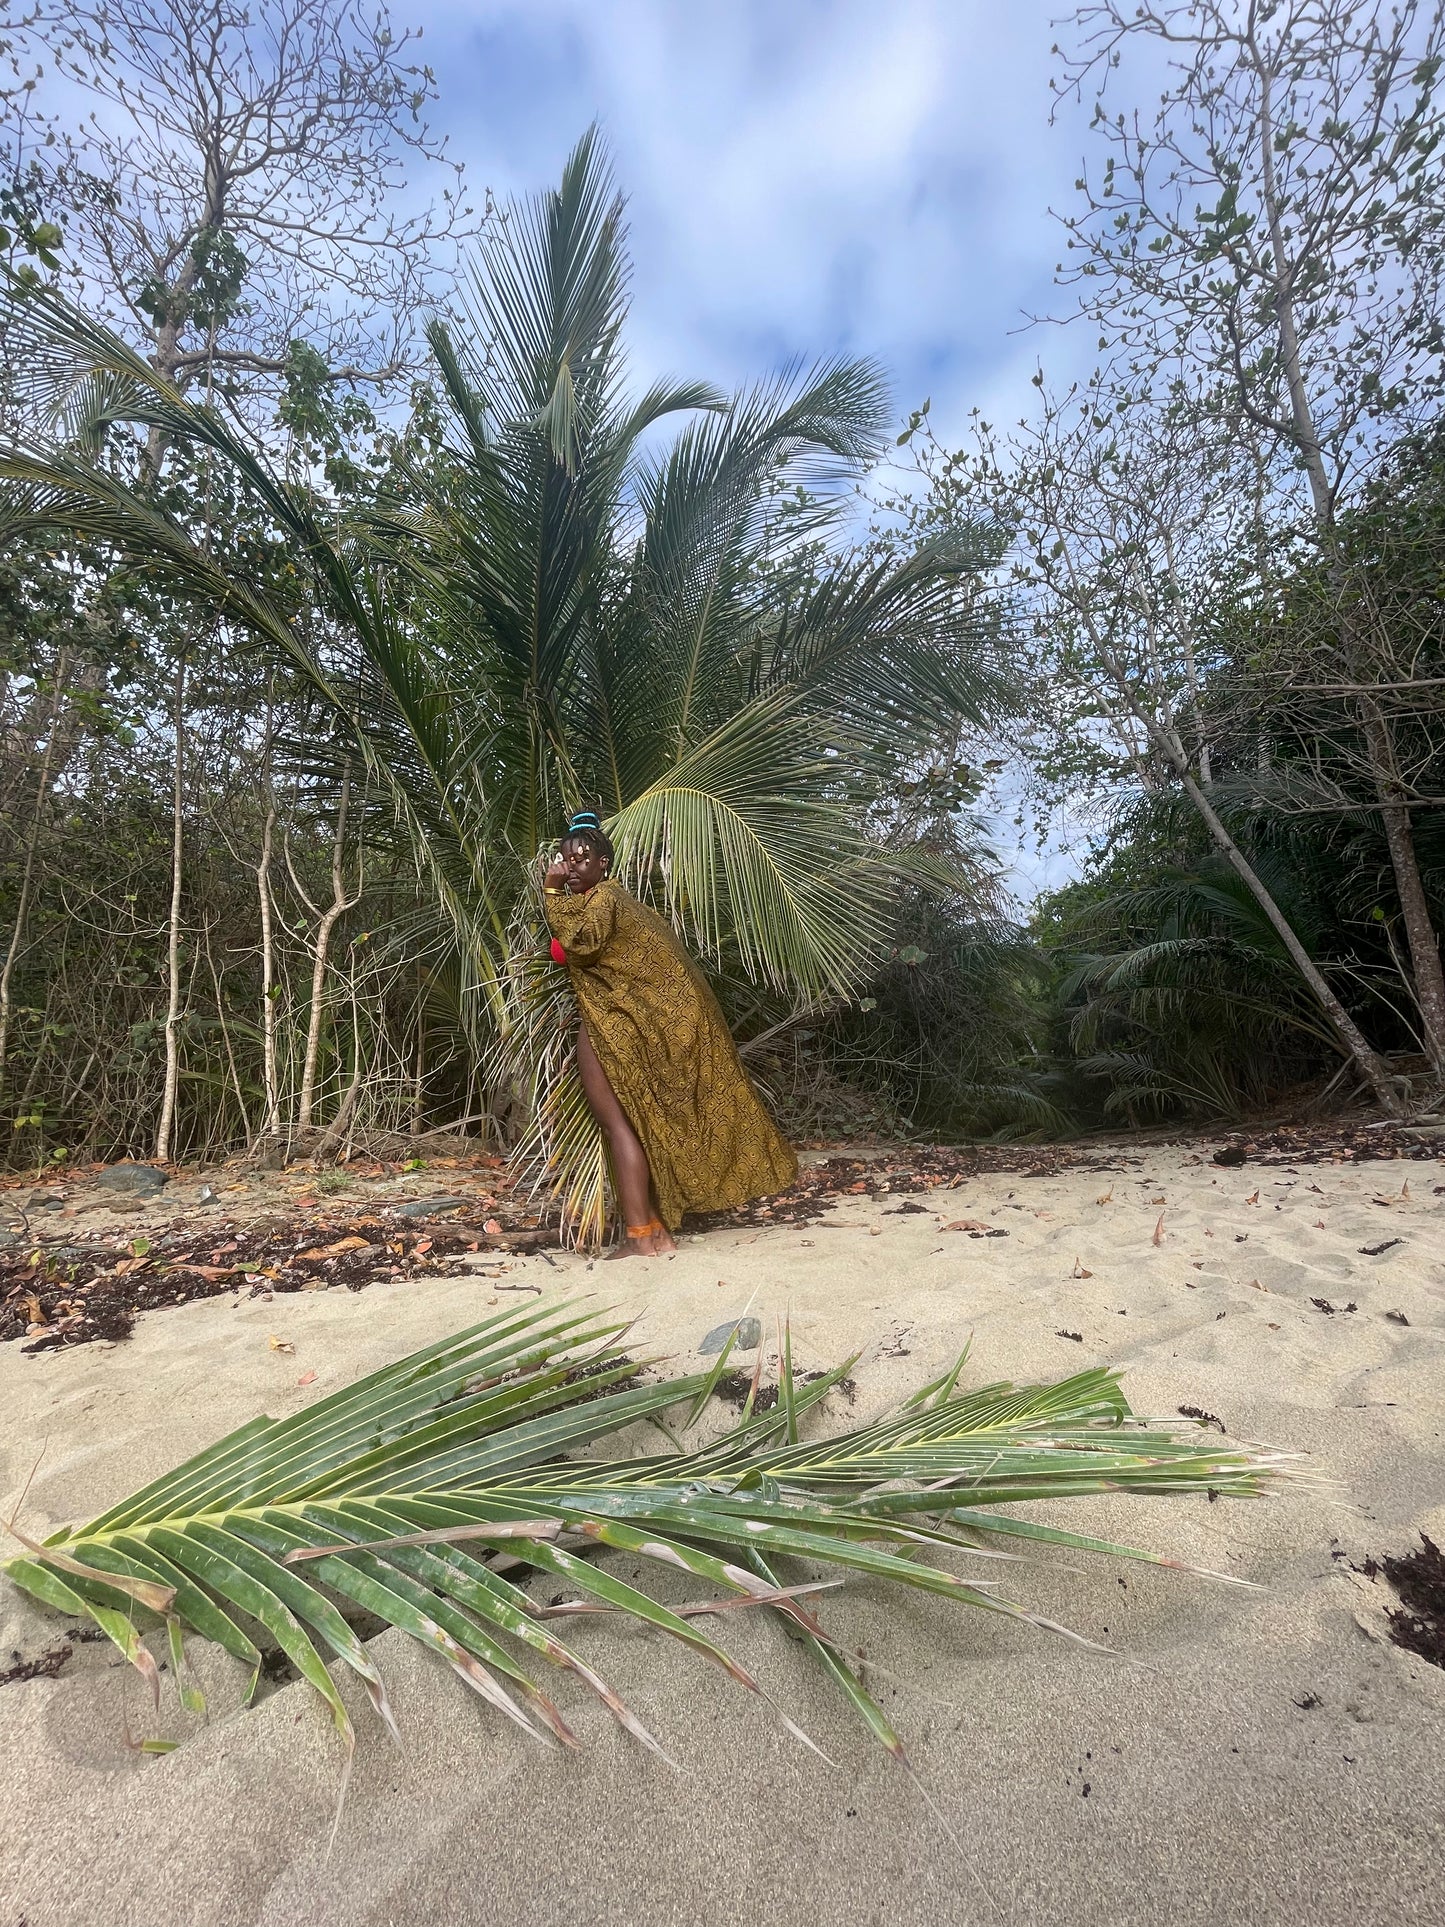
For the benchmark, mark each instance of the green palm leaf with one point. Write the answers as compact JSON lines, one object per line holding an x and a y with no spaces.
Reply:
{"x":413,"y":1494}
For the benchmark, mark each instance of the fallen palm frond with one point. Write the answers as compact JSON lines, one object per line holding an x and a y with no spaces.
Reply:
{"x":413,"y":1494}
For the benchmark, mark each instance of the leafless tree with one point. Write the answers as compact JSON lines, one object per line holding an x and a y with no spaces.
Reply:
{"x":243,"y":185}
{"x":1277,"y":223}
{"x":1114,"y":566}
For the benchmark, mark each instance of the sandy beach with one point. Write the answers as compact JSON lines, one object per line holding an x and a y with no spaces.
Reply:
{"x":1246,"y":1756}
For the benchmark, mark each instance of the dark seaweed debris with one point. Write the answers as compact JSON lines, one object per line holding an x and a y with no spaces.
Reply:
{"x":733,"y":1388}
{"x":894,"y":1171}
{"x":45,"y":1665}
{"x":74,"y":1294}
{"x":1329,"y":1143}
{"x":1418,"y":1622}
{"x":599,"y":1370}
{"x":899,"y":1173}
{"x":1204,"y":1418}
{"x":50,"y":1663}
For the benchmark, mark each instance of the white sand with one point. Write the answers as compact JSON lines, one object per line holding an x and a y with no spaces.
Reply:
{"x":1213,"y":1794}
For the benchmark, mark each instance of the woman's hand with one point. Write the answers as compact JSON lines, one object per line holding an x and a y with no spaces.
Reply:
{"x":555,"y":873}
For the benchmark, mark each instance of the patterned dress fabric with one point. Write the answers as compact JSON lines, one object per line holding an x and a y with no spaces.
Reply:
{"x":669,"y":1056}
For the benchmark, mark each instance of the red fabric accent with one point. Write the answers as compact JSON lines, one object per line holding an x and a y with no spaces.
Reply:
{"x":559,"y":955}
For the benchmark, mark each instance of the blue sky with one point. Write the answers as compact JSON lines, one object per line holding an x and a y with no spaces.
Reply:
{"x":803,"y":177}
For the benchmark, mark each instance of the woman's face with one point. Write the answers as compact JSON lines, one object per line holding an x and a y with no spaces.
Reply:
{"x":585,"y":865}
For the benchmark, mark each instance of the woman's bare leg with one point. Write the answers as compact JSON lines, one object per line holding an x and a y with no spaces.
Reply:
{"x":629,"y":1160}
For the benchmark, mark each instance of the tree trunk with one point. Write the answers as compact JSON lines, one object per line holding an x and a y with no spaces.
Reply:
{"x":1425,"y":966}
{"x":165,"y":1129}
{"x":337,"y":1129}
{"x":1429,"y":981}
{"x":27,"y":875}
{"x":418,"y":1082}
{"x":225,"y":1028}
{"x":268,"y":978}
{"x":340,"y":903}
{"x":1306,"y":433}
{"x":1371,"y":1067}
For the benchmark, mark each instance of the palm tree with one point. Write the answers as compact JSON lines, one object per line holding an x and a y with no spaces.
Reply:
{"x":414,"y":1494}
{"x":1193,"y":1008}
{"x":548,"y":605}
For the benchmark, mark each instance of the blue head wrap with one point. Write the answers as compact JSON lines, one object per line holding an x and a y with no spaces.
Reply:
{"x":587,"y":824}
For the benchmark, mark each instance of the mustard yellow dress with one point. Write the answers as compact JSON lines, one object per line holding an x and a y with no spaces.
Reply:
{"x":668,"y":1054}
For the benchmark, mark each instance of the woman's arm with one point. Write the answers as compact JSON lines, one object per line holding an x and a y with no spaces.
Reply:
{"x":582,"y":925}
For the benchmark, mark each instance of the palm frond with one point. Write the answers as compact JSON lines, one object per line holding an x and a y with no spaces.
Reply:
{"x":896,"y":652}
{"x":560,"y":1155}
{"x":396,"y":1496}
{"x":745,"y":838}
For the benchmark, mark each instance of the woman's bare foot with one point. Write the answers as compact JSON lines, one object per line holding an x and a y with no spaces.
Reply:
{"x":645,"y":1244}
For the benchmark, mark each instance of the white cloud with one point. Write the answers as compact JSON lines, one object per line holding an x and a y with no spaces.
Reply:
{"x":802,"y":178}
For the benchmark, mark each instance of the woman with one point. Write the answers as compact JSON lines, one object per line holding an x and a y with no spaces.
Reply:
{"x":686,"y":1129}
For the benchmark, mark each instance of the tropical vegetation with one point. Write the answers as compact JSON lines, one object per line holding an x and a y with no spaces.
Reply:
{"x":541,"y":604}
{"x":334,"y":576}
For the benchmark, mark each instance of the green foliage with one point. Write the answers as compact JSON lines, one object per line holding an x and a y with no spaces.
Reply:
{"x":24,"y":227}
{"x":396,"y":1496}
{"x":212,"y":292}
{"x":542,"y":604}
{"x":1172,"y":994}
{"x":951,"y":1033}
